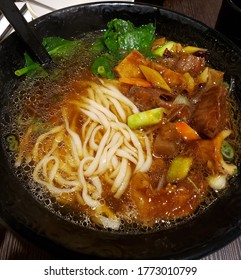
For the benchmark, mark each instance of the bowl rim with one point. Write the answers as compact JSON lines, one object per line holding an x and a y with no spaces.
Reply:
{"x":193,"y":251}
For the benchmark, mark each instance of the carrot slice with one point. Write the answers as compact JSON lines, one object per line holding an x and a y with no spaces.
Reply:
{"x":186,"y":131}
{"x":135,"y":82}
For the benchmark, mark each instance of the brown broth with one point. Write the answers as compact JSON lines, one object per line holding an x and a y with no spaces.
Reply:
{"x":41,"y":100}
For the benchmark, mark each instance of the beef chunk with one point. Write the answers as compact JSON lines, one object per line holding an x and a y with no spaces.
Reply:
{"x":210,"y":114}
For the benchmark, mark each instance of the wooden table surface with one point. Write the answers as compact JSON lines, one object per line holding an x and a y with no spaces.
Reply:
{"x":206,"y":11}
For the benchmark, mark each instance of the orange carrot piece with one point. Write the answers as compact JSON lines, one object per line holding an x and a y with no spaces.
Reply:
{"x":186,"y":131}
{"x":135,"y":82}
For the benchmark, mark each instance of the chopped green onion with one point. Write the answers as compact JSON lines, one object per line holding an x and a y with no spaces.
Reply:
{"x":102,"y":66}
{"x":12,"y":143}
{"x":145,"y":118}
{"x":227,"y":151}
{"x":160,"y":51}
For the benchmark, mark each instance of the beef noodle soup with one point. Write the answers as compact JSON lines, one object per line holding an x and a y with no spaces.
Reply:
{"x":149,"y":146}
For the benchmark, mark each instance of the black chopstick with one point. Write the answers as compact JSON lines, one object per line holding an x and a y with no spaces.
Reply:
{"x":9,"y":27}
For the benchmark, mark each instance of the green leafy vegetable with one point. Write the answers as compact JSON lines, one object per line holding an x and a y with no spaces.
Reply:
{"x":103,"y":65}
{"x":120,"y":38}
{"x":98,"y":46}
{"x":31,"y":68}
{"x":58,"y":48}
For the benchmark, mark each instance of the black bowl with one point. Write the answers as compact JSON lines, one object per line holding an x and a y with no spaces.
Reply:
{"x":208,"y":231}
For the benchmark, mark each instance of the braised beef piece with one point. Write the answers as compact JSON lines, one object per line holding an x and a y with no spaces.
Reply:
{"x":157,"y":173}
{"x":179,"y":112}
{"x":185,"y":63}
{"x":150,"y":98}
{"x":210,"y":113}
{"x":167,"y":140}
